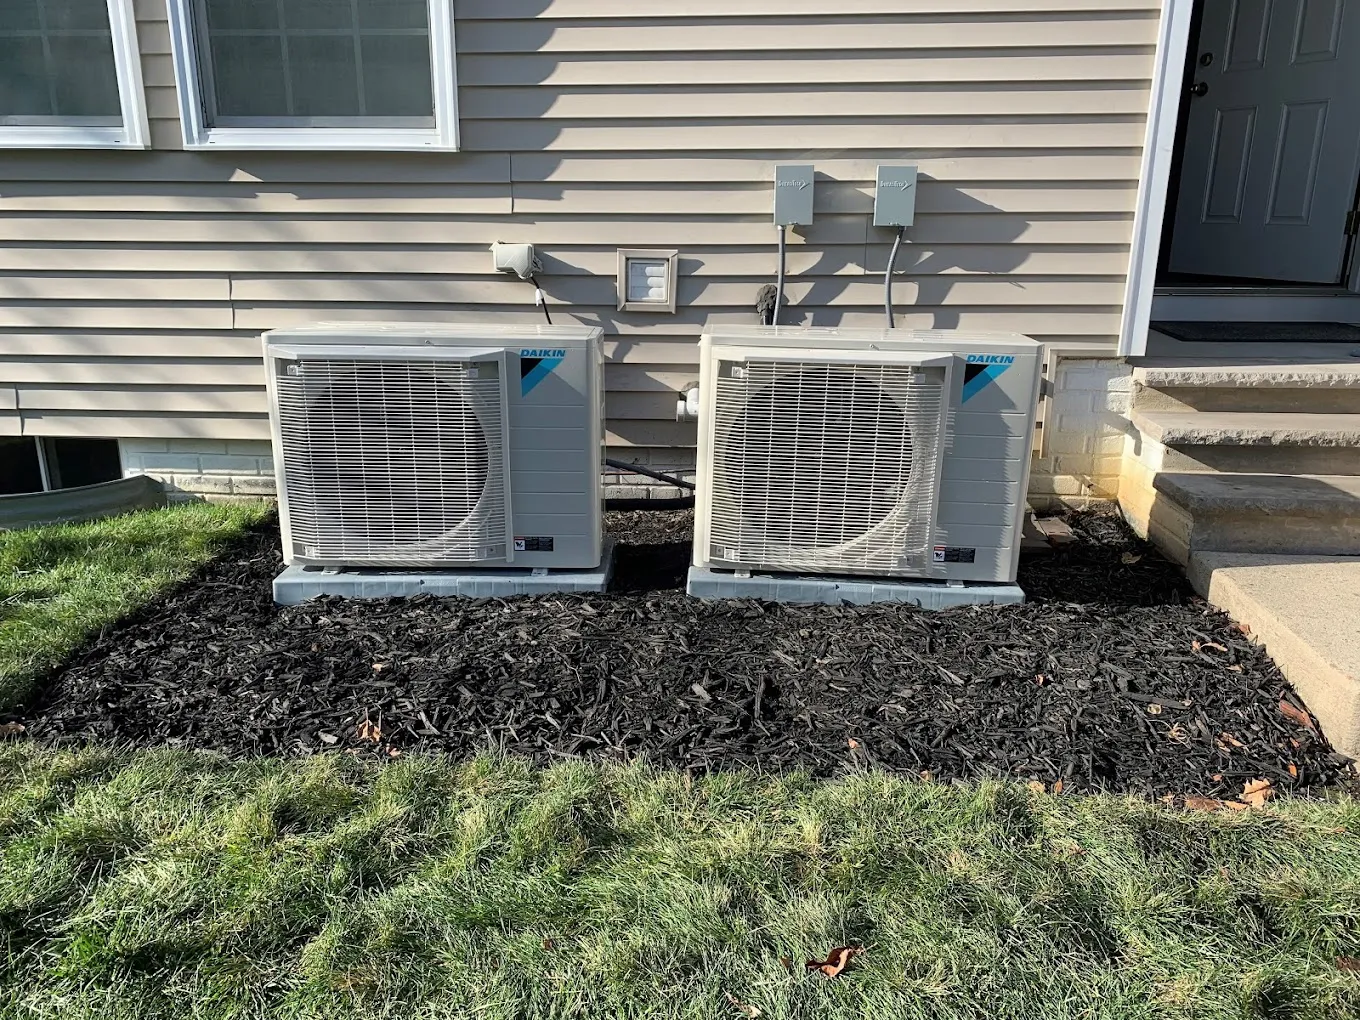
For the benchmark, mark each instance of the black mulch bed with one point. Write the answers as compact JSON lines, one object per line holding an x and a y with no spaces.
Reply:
{"x":1113,"y":677}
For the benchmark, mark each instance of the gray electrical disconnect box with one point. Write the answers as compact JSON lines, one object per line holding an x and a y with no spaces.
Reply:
{"x":895,"y":196}
{"x":793,"y":193}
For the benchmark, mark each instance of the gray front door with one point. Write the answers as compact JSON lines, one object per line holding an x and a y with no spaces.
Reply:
{"x":1272,"y":149}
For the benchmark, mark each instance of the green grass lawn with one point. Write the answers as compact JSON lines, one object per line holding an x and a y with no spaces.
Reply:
{"x":166,"y":884}
{"x":60,"y":584}
{"x":140,"y":884}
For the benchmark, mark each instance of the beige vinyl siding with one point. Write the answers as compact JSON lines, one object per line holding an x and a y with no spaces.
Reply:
{"x":133,"y":286}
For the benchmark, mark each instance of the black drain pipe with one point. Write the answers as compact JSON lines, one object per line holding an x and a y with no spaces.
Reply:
{"x":678,"y":503}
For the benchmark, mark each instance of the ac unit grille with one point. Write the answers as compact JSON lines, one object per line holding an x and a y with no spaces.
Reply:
{"x":825,"y":467}
{"x":396,"y":462}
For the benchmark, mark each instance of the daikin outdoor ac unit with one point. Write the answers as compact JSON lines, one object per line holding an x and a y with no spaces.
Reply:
{"x":893,"y":453}
{"x":410,"y":445}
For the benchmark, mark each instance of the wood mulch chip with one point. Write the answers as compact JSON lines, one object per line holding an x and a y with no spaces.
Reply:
{"x":1114,"y":677}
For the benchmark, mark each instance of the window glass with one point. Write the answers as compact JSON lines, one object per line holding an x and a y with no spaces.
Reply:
{"x":57,"y":64}
{"x":316,"y":62}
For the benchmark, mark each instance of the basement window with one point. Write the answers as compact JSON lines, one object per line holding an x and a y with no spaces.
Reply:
{"x":315,"y":74}
{"x":70,"y":75}
{"x":29,"y":464}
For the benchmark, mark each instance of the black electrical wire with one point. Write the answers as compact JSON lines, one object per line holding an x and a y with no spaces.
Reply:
{"x":680,"y":503}
{"x":779,"y":285}
{"x":640,"y":469}
{"x":888,"y":276}
{"x":539,"y":292}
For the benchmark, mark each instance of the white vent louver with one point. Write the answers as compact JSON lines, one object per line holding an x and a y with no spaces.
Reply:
{"x":395,"y":461}
{"x":829,"y":467}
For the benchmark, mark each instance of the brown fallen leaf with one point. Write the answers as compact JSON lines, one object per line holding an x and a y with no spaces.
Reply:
{"x":1036,"y":786}
{"x":854,"y":744}
{"x":787,"y":961}
{"x":1202,"y":803}
{"x":369,"y":730}
{"x":11,"y":729}
{"x":1228,"y":738}
{"x":1256,"y":792}
{"x":836,"y":961}
{"x":1297,"y":715}
{"x":1242,"y":628}
{"x":1217,"y":777}
{"x":927,"y":776}
{"x":549,"y":945}
{"x":1293,"y":770}
{"x":743,"y":1008}
{"x":392,"y":752}
{"x":1129,"y":559}
{"x":1348,"y":963}
{"x":1058,"y":786}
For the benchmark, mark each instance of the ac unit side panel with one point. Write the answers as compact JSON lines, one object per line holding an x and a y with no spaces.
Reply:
{"x":555,"y":440}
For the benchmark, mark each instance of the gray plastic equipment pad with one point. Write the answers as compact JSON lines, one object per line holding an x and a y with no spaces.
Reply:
{"x":297,"y":584}
{"x":833,"y":591}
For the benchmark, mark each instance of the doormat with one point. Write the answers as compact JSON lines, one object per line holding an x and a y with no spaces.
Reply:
{"x":1260,"y":332}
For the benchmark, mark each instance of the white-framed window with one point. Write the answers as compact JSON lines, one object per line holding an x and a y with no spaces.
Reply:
{"x":315,"y":74}
{"x":70,"y":75}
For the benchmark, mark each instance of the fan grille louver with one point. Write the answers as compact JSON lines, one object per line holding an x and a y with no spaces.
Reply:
{"x":394,"y":462}
{"x":825,"y":467}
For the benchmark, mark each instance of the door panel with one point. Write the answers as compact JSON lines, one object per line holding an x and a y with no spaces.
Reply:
{"x":1272,"y":147}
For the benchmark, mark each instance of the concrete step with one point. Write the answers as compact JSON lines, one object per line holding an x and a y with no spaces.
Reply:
{"x":1266,"y":460}
{"x":1261,"y":513}
{"x":1247,"y":428}
{"x":1305,"y":610}
{"x":1282,"y":373}
{"x":1263,"y":384}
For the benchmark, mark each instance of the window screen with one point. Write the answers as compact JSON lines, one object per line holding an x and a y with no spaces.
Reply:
{"x":337,"y":63}
{"x":57,"y":64}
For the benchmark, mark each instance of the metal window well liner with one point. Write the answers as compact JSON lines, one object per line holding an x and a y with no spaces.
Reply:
{"x":298,"y":583}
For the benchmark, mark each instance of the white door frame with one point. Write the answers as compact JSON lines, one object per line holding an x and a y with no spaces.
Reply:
{"x":1281,"y":303}
{"x":1154,"y":177}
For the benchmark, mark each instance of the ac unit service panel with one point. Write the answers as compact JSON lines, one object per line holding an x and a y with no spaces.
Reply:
{"x":895,"y":453}
{"x":403,"y":445}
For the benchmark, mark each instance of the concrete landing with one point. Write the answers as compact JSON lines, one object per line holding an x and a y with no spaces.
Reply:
{"x":1305,"y":610}
{"x":298,"y":584}
{"x":835,"y":591}
{"x":1248,"y":428}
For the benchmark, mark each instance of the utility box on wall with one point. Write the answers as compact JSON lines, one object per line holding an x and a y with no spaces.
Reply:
{"x":793,"y":191}
{"x":895,"y":196}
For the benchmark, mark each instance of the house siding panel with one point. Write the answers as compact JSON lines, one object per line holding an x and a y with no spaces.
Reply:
{"x":133,"y":285}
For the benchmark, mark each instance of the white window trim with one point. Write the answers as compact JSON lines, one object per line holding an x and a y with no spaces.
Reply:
{"x":131,"y":134}
{"x":443,"y":137}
